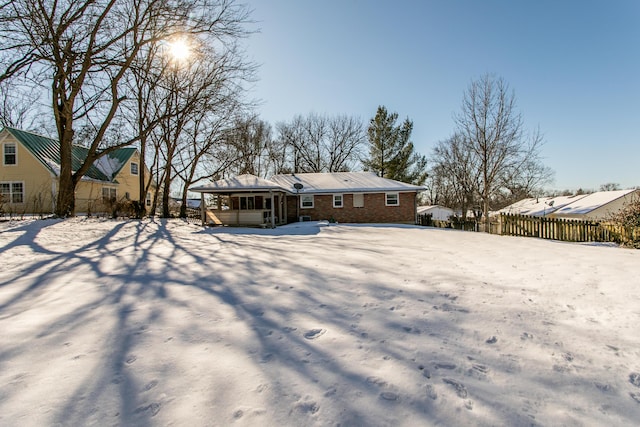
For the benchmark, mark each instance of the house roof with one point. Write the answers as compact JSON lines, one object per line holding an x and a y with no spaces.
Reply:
{"x":246,"y":182}
{"x":540,"y":206}
{"x":565,"y":205}
{"x":47,"y":151}
{"x":593,"y":201}
{"x":340,"y":182}
{"x":427,"y":208}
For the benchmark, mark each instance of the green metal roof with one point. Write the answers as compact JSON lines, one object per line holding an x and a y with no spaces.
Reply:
{"x":47,"y":151}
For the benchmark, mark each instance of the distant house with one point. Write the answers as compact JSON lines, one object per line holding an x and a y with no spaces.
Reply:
{"x":30,"y":169}
{"x":437,"y":212}
{"x":594,"y":206}
{"x":350,"y":197}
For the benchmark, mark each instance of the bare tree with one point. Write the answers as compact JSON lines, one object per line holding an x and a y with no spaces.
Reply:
{"x":493,"y":131}
{"x":455,"y":173}
{"x":610,"y":186}
{"x":318,"y":143}
{"x":247,"y":143}
{"x":83,"y":51}
{"x":18,"y":106}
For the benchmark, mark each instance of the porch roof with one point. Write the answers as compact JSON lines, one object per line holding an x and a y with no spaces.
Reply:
{"x":240,"y":183}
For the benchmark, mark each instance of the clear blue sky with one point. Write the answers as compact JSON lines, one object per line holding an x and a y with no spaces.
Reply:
{"x":574,"y":67}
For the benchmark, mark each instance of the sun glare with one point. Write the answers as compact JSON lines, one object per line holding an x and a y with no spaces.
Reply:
{"x":179,"y":50}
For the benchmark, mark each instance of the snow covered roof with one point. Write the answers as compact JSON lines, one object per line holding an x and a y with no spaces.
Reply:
{"x":539,"y":206}
{"x":340,"y":182}
{"x":591,"y":202}
{"x":246,"y":182}
{"x":428,"y":208}
{"x":564,"y":205}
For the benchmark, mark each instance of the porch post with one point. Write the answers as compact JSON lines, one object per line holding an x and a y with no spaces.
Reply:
{"x":284,"y":207}
{"x":273,"y":218}
{"x":203,"y":210}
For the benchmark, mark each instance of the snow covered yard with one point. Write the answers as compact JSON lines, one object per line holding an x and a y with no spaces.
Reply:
{"x":165,"y":323}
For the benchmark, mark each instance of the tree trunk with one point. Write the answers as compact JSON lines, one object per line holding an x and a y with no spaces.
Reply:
{"x":66,"y":200}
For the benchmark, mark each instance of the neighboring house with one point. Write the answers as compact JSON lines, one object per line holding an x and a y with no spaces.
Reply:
{"x":539,"y":206}
{"x":595,"y":206}
{"x":349,"y":197}
{"x":30,"y":168}
{"x":437,"y":212}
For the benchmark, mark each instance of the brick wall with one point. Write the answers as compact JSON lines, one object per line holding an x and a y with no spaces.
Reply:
{"x":374,"y":209}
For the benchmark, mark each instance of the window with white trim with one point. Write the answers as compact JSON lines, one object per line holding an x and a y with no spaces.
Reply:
{"x":9,"y":154}
{"x":306,"y":201}
{"x":109,"y":194}
{"x":358,"y":200}
{"x":338,"y":200}
{"x":392,"y":199}
{"x":12,"y":192}
{"x":134,"y":168}
{"x":148,"y":199}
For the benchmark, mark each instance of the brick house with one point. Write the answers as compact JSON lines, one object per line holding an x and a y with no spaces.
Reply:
{"x":346,"y":197}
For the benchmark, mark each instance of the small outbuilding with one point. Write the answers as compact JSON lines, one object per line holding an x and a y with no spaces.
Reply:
{"x":437,"y":212}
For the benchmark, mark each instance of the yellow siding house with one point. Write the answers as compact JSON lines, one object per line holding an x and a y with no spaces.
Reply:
{"x":30,"y":166}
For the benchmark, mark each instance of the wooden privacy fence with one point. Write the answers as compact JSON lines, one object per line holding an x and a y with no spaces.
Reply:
{"x":566,"y":230}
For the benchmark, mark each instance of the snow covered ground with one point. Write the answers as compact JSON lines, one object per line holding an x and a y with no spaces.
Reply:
{"x":165,"y":323}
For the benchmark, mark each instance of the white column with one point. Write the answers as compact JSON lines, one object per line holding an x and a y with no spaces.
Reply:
{"x":273,"y":218}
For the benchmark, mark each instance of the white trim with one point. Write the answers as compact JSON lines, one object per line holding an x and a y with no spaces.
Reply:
{"x":341,"y":196}
{"x":4,"y":153}
{"x":11,"y":193}
{"x":302,"y":198}
{"x":386,"y":199}
{"x":109,"y":198}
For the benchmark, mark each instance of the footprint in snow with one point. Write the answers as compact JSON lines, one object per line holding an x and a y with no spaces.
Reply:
{"x":634,"y":378}
{"x":153,"y":408}
{"x":431,"y":392}
{"x":390,"y":396}
{"x":461,"y":390}
{"x":314,"y":333}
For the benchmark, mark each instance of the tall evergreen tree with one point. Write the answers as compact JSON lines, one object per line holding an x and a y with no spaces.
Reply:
{"x":391,"y":153}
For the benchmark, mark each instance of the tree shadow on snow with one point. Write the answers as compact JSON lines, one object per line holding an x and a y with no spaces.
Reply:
{"x":173,"y":308}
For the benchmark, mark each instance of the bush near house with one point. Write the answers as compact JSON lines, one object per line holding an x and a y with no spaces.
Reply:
{"x":627,"y":224}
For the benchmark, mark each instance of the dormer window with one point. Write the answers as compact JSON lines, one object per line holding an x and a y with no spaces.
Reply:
{"x":134,"y":168}
{"x":10,"y":154}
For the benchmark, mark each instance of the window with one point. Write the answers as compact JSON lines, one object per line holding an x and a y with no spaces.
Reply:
{"x":10,"y":156}
{"x":247,"y":203}
{"x":392,"y":199}
{"x":337,"y":201}
{"x":358,"y":200}
{"x":306,"y":201}
{"x":108,"y":195}
{"x":134,"y":168}
{"x":12,"y":192}
{"x":148,"y":199}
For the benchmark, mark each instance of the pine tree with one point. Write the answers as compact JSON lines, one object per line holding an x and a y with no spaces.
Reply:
{"x":391,"y":153}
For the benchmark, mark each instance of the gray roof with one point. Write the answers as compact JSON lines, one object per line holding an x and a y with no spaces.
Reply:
{"x":343,"y":182}
{"x":312,"y":183}
{"x":244,"y":182}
